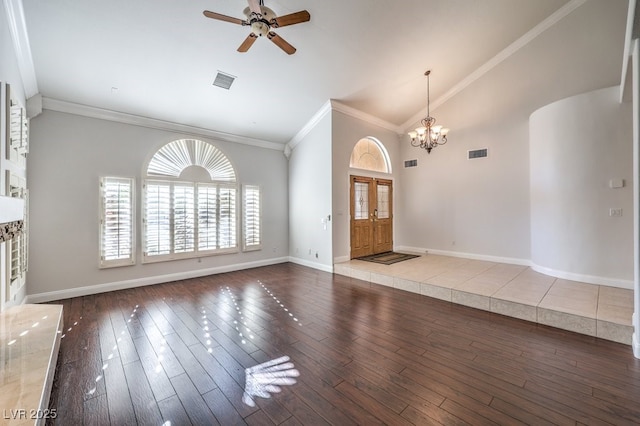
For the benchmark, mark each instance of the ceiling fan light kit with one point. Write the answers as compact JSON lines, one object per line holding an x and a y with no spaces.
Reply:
{"x":428,"y":135}
{"x":261,"y":19}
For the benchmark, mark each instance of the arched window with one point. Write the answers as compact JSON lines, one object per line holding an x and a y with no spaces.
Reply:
{"x":189,"y":202}
{"x":177,"y":156}
{"x":370,"y":154}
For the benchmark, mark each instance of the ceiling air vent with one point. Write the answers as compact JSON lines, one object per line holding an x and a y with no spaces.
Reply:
{"x":411,"y":163}
{"x":223,"y":80}
{"x":477,"y":153}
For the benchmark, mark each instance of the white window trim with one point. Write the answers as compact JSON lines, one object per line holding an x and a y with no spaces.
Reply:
{"x":252,"y":247}
{"x":131,"y":260}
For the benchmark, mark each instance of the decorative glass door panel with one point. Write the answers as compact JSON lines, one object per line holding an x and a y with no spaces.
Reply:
{"x":361,"y":200}
{"x":383,"y":223}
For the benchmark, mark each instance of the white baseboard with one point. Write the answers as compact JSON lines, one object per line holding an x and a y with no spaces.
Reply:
{"x":635,"y":344}
{"x":473,"y":256}
{"x":589,"y":279}
{"x":310,"y":264}
{"x":140,"y":282}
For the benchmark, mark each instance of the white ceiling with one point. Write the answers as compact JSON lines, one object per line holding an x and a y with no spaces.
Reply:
{"x":162,"y":57}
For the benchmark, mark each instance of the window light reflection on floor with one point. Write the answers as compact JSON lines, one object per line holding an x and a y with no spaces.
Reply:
{"x":110,"y":356}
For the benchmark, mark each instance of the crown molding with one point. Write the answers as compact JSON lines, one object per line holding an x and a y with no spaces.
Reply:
{"x":313,"y":122}
{"x":625,"y":78}
{"x":22,"y":48}
{"x":355,"y":113}
{"x":499,"y":58}
{"x":152,"y":123}
{"x":333,"y":105}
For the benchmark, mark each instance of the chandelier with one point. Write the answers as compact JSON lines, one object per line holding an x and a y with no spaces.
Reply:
{"x":428,"y":135}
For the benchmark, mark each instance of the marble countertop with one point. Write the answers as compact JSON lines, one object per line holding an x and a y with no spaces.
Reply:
{"x":29,"y":344}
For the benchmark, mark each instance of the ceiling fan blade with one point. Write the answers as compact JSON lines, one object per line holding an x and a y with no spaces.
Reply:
{"x":281,"y":43}
{"x":254,"y":6}
{"x":291,"y":19}
{"x":248,"y":42}
{"x":220,"y":17}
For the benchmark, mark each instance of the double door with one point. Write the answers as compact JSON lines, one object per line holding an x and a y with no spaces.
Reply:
{"x":371,"y":216}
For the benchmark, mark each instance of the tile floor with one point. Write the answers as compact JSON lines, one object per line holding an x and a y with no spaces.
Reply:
{"x":512,"y":290}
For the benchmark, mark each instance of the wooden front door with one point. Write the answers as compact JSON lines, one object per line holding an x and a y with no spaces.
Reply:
{"x":371,"y":216}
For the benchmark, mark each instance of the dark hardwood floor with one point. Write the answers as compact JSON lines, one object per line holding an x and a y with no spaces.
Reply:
{"x":176,"y":354}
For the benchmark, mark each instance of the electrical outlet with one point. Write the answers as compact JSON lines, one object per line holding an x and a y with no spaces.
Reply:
{"x":615,"y":212}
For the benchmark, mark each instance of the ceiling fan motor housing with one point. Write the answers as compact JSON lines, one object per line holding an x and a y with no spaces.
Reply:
{"x":260,"y":24}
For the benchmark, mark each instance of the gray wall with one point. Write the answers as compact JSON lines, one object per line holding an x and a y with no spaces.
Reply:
{"x":476,"y":207}
{"x":577,"y":146}
{"x":310,"y":198}
{"x":68,"y":155}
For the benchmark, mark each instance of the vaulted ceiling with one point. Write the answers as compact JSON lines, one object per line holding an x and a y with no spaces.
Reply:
{"x":158,"y":59}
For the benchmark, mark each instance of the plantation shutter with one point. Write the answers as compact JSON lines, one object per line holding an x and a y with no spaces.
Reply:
{"x":157,"y":219}
{"x":189,"y":215}
{"x":227,"y":217}
{"x":117,"y":222}
{"x":183,"y":218}
{"x":207,"y":217}
{"x":251,"y":217}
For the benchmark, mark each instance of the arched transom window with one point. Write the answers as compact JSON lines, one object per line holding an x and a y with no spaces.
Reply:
{"x":370,"y":154}
{"x":175,"y":157}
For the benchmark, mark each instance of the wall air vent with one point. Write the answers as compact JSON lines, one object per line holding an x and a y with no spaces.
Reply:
{"x":411,"y":163}
{"x":223,"y":80}
{"x":477,"y":153}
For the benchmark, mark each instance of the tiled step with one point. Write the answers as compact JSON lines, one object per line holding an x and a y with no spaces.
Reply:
{"x":29,"y":343}
{"x":511,"y":290}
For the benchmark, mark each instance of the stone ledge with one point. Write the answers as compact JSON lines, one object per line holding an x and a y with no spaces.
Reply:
{"x":29,"y":344}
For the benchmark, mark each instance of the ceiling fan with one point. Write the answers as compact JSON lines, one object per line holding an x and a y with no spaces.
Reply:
{"x":261,"y":19}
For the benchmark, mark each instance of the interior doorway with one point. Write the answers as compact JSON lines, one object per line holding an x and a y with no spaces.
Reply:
{"x":371,"y":210}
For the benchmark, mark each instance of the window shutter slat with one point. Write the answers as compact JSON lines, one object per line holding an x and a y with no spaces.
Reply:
{"x":183,"y":218}
{"x":251,"y":216}
{"x":158,"y":219}
{"x":207,"y":217}
{"x":227,"y":217}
